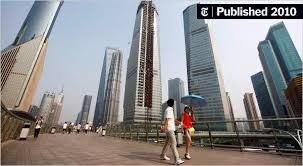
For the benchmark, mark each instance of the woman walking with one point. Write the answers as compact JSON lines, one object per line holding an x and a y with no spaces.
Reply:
{"x":187,"y":119}
{"x":39,"y":122}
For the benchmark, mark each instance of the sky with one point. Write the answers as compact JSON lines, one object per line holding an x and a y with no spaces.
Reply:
{"x":83,"y":29}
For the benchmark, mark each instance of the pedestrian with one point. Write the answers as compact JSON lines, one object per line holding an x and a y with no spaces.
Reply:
{"x":64,"y":127}
{"x":186,"y":120}
{"x":78,"y":128}
{"x":69,"y":128}
{"x":38,"y":126}
{"x":86,"y":128}
{"x":169,"y":128}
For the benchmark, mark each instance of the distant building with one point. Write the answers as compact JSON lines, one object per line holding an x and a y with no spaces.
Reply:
{"x":22,"y":61}
{"x":58,"y":104}
{"x":263,"y":98}
{"x":293,"y":94}
{"x":85,"y":109}
{"x":251,"y":111}
{"x":34,"y":111}
{"x":231,"y":112}
{"x":78,"y":120}
{"x":108,"y":99}
{"x":242,"y":126}
{"x":46,"y":106}
{"x":203,"y":69}
{"x":176,"y":92}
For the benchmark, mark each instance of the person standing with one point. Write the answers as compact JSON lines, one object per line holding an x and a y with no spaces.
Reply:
{"x":69,"y":128}
{"x":186,"y":119}
{"x":38,"y":126}
{"x":78,"y":128}
{"x":64,"y":127}
{"x":86,"y":128}
{"x":169,"y":128}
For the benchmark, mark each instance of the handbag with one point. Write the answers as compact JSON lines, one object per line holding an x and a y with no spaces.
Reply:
{"x":191,"y":130}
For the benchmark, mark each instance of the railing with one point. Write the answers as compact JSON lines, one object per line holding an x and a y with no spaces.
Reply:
{"x":276,"y":139}
{"x":11,"y":124}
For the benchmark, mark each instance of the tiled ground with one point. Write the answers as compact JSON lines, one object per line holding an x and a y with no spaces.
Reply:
{"x":92,"y":149}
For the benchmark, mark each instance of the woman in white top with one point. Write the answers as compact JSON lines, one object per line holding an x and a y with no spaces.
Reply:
{"x":86,"y":128}
{"x":39,"y":122}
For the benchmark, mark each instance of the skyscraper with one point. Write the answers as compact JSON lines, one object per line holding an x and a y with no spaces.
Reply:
{"x":143,"y":92}
{"x":85,"y":109}
{"x":281,"y":62}
{"x":58,"y":104}
{"x":107,"y":104}
{"x":285,"y":51}
{"x":34,"y":111}
{"x":231,"y":111}
{"x":46,"y":106}
{"x":251,"y":111}
{"x":176,"y":92}
{"x":265,"y":105}
{"x":22,"y":61}
{"x":273,"y":77}
{"x":203,"y":70}
{"x":78,"y":120}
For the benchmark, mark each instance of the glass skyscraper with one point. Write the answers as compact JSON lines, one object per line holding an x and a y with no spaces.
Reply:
{"x":85,"y":109}
{"x":46,"y":106}
{"x":263,"y":98}
{"x":176,"y":92}
{"x":22,"y":61}
{"x":143,"y":92}
{"x":285,"y":51}
{"x":203,"y":70}
{"x":107,"y":104}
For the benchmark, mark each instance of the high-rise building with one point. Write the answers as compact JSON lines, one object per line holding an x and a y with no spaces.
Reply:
{"x":285,"y":51}
{"x":46,"y":106}
{"x":273,"y":77}
{"x":176,"y":92}
{"x":78,"y":120}
{"x":34,"y":111}
{"x":293,"y":94}
{"x":107,"y":104}
{"x":203,"y":70}
{"x":58,"y":104}
{"x":143,"y":92}
{"x":85,"y":109}
{"x":231,"y":112}
{"x":262,"y":94}
{"x":22,"y":61}
{"x":251,"y":111}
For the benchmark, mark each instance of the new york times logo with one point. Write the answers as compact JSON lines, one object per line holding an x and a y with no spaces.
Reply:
{"x":249,"y":11}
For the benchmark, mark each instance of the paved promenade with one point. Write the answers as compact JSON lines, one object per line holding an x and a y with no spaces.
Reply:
{"x":92,"y":149}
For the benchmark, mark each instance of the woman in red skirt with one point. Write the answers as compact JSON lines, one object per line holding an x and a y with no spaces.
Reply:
{"x":187,"y":118}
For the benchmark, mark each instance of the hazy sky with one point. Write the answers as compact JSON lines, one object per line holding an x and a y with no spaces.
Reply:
{"x":84,"y":28}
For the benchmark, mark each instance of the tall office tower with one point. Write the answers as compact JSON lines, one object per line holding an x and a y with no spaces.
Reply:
{"x":285,"y":51}
{"x":22,"y":61}
{"x":46,"y":106}
{"x":203,"y":70}
{"x":293,"y":94}
{"x":176,"y":92}
{"x":263,"y":98}
{"x":281,"y":62}
{"x":78,"y":120}
{"x":58,"y":104}
{"x":34,"y":111}
{"x":143,"y":92}
{"x":107,"y":105}
{"x":251,"y":111}
{"x":231,"y":112}
{"x":85,"y":109}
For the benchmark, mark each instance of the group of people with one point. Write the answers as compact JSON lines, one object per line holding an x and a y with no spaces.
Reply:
{"x":71,"y":127}
{"x":169,"y":127}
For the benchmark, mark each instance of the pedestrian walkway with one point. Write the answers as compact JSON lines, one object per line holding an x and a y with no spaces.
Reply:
{"x":92,"y":149}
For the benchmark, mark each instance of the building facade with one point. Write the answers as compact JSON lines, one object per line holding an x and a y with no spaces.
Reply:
{"x":143,"y":91}
{"x":285,"y":51}
{"x":23,"y":60}
{"x":293,"y":95}
{"x":251,"y":111}
{"x":203,"y":70}
{"x":262,"y":94}
{"x":176,"y":92}
{"x":34,"y":111}
{"x":85,"y":109}
{"x":46,"y":106}
{"x":107,"y":104}
{"x":58,"y":104}
{"x":231,"y":112}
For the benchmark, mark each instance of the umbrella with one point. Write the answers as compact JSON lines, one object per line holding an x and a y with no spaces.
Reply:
{"x":193,"y":100}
